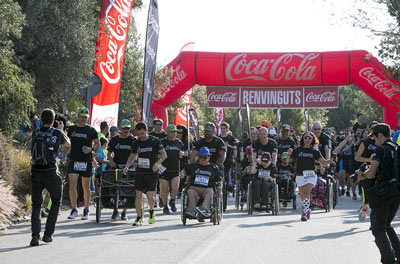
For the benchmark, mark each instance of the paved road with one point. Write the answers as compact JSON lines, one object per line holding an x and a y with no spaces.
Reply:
{"x":336,"y":237}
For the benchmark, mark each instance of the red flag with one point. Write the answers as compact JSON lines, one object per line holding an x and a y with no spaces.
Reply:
{"x":114,"y":18}
{"x":181,"y":114}
{"x":220,"y":118}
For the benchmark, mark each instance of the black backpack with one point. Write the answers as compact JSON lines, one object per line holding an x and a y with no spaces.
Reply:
{"x":43,"y":151}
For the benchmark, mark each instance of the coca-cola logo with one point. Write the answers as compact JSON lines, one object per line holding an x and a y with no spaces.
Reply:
{"x":326,"y":97}
{"x":278,"y":69}
{"x":110,"y":121}
{"x":178,"y":76}
{"x":228,"y":97}
{"x":117,"y":24}
{"x":377,"y":82}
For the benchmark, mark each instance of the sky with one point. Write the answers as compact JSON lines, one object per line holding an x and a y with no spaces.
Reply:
{"x":255,"y":26}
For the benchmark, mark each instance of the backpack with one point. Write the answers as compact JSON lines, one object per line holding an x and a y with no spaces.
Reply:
{"x":43,"y":147}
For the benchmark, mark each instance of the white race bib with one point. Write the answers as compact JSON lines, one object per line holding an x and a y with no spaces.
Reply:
{"x":80,"y":166}
{"x":161,"y":169}
{"x":262,"y":174}
{"x":144,"y":163}
{"x":309,"y":174}
{"x":201,"y":180}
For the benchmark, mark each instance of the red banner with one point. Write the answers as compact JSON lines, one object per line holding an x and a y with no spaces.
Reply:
{"x":181,"y":114}
{"x":273,"y":97}
{"x":114,"y":19}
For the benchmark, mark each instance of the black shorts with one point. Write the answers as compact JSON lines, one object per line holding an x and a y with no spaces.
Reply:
{"x":146,"y":181}
{"x":87,"y":173}
{"x":169,"y":175}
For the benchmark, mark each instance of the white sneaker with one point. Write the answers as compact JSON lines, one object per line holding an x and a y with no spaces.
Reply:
{"x":257,"y":206}
{"x":362,"y":215}
{"x":85,"y":215}
{"x":73,"y":215}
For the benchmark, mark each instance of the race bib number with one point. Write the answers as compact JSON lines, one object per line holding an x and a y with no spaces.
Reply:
{"x":262,"y":174}
{"x":308,"y":174}
{"x":161,"y":169}
{"x":201,"y":180}
{"x":80,"y":166}
{"x":144,"y":163}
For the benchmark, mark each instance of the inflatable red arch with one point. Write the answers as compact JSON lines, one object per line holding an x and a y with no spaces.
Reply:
{"x":356,"y":67}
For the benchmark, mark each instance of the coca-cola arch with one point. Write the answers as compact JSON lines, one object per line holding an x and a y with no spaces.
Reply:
{"x":288,"y":69}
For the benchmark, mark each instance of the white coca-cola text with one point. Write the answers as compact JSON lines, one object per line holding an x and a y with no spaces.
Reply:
{"x":377,"y":82}
{"x":228,"y":97}
{"x":280,"y":69}
{"x":117,"y":25}
{"x":325,"y":97}
{"x":110,"y":121}
{"x":178,"y":76}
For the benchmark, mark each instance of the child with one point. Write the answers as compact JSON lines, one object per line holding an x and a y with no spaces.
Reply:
{"x":102,"y":159}
{"x":285,"y":176}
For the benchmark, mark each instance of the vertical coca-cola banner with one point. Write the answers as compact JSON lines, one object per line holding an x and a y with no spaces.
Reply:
{"x":220,"y":118}
{"x":114,"y":19}
{"x":150,"y":58}
{"x":181,"y":117}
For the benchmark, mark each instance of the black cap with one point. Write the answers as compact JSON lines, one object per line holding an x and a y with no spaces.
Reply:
{"x":209,"y":126}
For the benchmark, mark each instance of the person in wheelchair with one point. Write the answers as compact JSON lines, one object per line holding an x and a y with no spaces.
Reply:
{"x":284,"y":177}
{"x":318,"y":192}
{"x":245,"y":172}
{"x":264,"y":176}
{"x":203,"y":176}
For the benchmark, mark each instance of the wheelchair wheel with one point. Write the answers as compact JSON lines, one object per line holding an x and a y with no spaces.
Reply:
{"x":249,"y":199}
{"x":237,"y":195}
{"x":98,"y":209}
{"x":220,"y":211}
{"x":183,"y":207}
{"x":294,"y":197}
{"x":330,"y":196}
{"x":275,"y":199}
{"x":335,"y":194}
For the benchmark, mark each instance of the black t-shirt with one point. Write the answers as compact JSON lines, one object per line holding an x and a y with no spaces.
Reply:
{"x":81,"y":136}
{"x":147,"y":151}
{"x":305,"y":159}
{"x":58,"y":138}
{"x":370,"y":146}
{"x":243,"y":164}
{"x":158,"y":135}
{"x":184,"y":160}
{"x":203,"y":176}
{"x":229,"y":154}
{"x":285,"y":144}
{"x":264,"y":172}
{"x":172,"y":148}
{"x":384,"y":154}
{"x":215,"y":146}
{"x":358,"y":126}
{"x":270,"y":147}
{"x":285,"y":169}
{"x":324,"y":140}
{"x":121,"y":147}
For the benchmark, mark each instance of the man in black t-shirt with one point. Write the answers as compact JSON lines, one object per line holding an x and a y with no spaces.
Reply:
{"x":359,"y":124}
{"x":158,"y":131}
{"x":325,"y":144}
{"x":265,"y":144}
{"x":230,"y":144}
{"x":285,"y":142}
{"x":383,"y":214}
{"x":46,"y":175}
{"x":170,"y":175}
{"x":144,"y":157}
{"x":119,"y":149}
{"x":84,"y":141}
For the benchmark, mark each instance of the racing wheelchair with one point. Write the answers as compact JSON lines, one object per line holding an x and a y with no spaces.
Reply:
{"x":273,"y":200}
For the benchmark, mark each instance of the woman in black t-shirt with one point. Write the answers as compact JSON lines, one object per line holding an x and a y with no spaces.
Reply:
{"x":305,"y":156}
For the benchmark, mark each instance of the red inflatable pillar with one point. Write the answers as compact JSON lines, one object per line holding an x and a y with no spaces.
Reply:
{"x":160,"y":112}
{"x":390,"y":116}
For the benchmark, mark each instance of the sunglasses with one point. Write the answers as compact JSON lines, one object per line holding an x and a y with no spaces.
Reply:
{"x":179,"y":132}
{"x":158,"y":124}
{"x":316,"y":129}
{"x":310,"y":138}
{"x":203,"y":157}
{"x":84,"y":112}
{"x":125,"y":128}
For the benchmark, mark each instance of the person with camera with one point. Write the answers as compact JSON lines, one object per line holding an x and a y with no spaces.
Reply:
{"x":384,"y":170}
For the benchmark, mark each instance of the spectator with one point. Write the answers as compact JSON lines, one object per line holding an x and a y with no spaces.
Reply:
{"x":360,"y":123}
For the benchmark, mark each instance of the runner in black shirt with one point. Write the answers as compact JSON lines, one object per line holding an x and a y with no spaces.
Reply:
{"x":265,"y":144}
{"x":230,"y":144}
{"x":144,"y":157}
{"x":82,"y":137}
{"x":325,"y":144}
{"x":170,"y":177}
{"x":119,"y":149}
{"x":305,"y":156}
{"x":158,"y":132}
{"x":285,"y":142}
{"x":182,"y":134}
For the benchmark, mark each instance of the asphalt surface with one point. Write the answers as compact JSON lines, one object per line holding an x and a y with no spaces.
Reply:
{"x":335,"y":237}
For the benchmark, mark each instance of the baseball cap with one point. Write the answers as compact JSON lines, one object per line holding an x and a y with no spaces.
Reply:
{"x":204,"y":151}
{"x":125,"y":123}
{"x":285,"y":127}
{"x":284,"y":155}
{"x":249,"y":150}
{"x":114,"y":129}
{"x":209,"y":126}
{"x":83,"y":112}
{"x":264,"y":123}
{"x":266,"y":156}
{"x":171,"y":128}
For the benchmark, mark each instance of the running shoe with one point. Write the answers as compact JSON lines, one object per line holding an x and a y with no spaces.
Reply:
{"x":138,"y":222}
{"x":123,"y":216}
{"x":257,"y":206}
{"x":202,"y":212}
{"x":152,"y":217}
{"x":85,"y":215}
{"x":73,"y":215}
{"x":303,"y":217}
{"x":362,"y":214}
{"x":348,"y":194}
{"x":166,"y":210}
{"x":35,"y":241}
{"x":172,"y":205}
{"x":320,"y":203}
{"x":354,"y":196}
{"x":115,"y":214}
{"x":190,"y":214}
{"x":47,"y":239}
